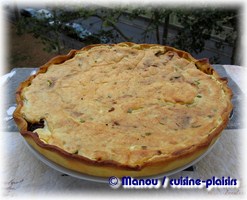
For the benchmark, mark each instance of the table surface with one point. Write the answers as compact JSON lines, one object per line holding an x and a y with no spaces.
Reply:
{"x":33,"y":176}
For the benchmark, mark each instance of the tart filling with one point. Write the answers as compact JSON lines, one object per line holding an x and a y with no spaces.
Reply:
{"x":128,"y":104}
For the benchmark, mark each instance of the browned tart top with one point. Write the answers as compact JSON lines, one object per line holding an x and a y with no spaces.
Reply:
{"x":127,"y":103}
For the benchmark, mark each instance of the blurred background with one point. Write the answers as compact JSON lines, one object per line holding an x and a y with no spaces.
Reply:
{"x":38,"y":33}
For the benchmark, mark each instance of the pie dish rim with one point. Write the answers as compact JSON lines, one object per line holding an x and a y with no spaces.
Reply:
{"x":109,"y":167}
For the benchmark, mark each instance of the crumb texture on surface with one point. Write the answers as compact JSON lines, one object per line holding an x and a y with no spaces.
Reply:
{"x":125,"y":104}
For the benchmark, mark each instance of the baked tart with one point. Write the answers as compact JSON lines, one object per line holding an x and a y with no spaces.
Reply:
{"x":123,"y":109}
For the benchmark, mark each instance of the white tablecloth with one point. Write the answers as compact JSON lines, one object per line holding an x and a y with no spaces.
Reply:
{"x":24,"y":174}
{"x":238,"y":74}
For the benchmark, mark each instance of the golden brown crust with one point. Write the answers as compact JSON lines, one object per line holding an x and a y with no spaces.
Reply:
{"x":104,"y":168}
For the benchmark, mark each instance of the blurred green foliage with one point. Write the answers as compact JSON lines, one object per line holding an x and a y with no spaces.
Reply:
{"x":196,"y":26}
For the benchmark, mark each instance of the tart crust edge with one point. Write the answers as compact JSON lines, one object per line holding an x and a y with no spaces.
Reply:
{"x":108,"y":167}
